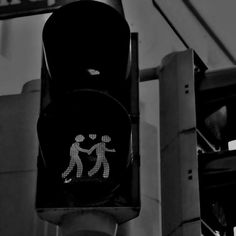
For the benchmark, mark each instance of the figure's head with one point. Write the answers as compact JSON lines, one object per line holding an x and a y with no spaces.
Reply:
{"x":79,"y":138}
{"x":106,"y":139}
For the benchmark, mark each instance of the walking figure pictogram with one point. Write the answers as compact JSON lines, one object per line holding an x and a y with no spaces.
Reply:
{"x":75,"y":159}
{"x":101,"y":158}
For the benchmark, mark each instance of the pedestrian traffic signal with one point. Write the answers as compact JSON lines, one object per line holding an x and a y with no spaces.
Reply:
{"x":85,"y":147}
{"x":88,"y":123}
{"x":197,"y":168}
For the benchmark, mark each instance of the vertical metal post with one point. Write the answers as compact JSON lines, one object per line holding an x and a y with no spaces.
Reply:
{"x":179,"y":164}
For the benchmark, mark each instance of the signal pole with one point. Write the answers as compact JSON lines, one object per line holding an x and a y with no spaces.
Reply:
{"x":197,"y":114}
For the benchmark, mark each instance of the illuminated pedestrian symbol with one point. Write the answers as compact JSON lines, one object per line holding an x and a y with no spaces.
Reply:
{"x":101,"y":158}
{"x":75,"y":159}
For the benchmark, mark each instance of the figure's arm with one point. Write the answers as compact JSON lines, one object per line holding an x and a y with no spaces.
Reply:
{"x":83,"y":150}
{"x":110,"y":150}
{"x":92,"y":148}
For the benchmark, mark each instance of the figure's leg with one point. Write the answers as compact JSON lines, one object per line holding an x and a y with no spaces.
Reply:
{"x":106,"y":168}
{"x":79,"y":167}
{"x":69,"y":168}
{"x":96,"y":168}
